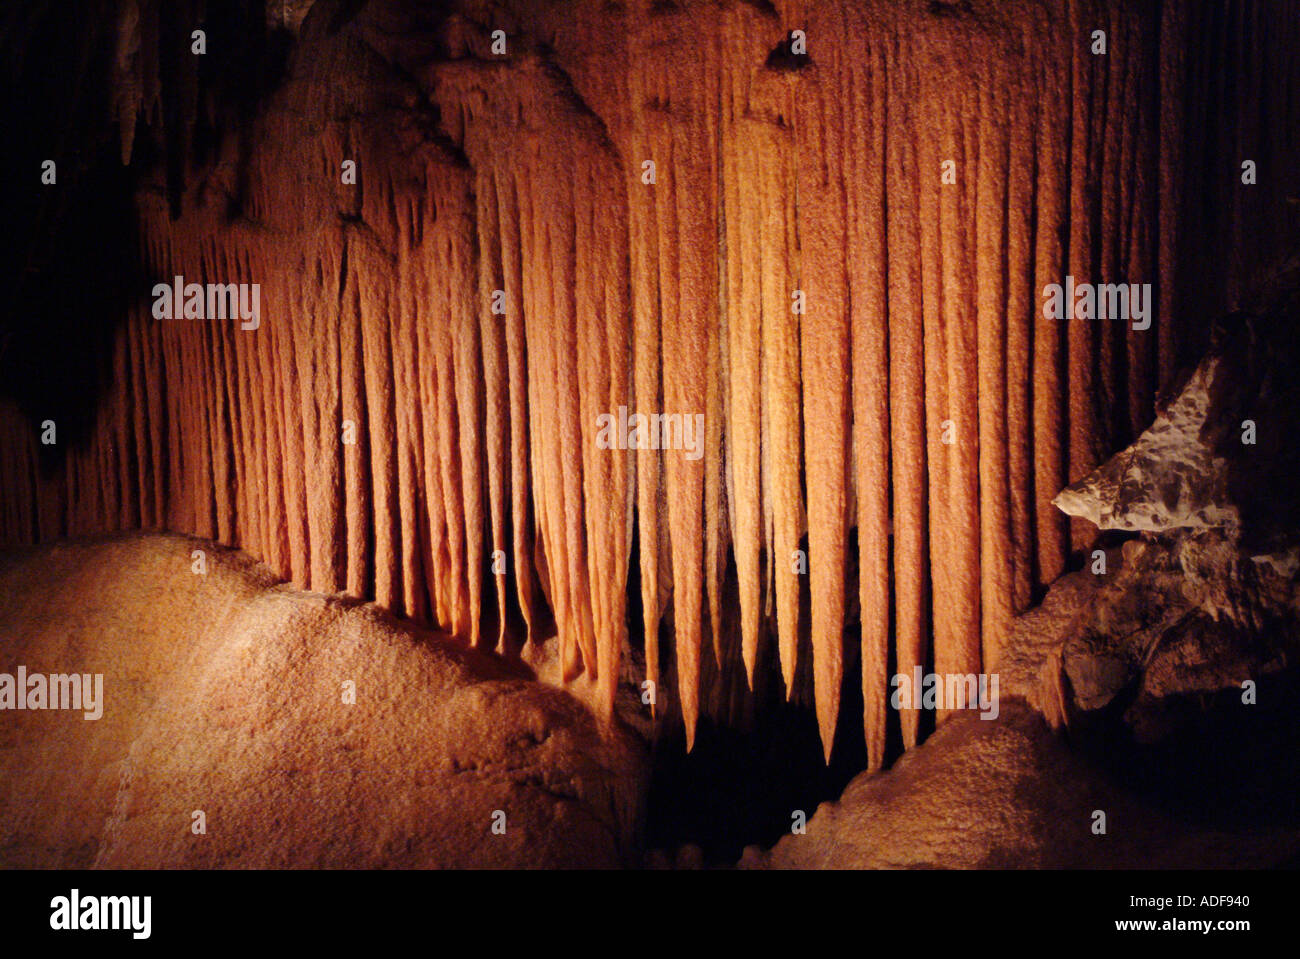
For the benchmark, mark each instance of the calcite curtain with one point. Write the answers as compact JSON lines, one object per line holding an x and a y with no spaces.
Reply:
{"x":827,"y":227}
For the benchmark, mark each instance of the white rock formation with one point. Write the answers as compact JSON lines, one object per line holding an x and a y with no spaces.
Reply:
{"x":1168,"y":479}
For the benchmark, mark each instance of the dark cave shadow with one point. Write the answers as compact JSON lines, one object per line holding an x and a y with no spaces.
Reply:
{"x":71,"y":255}
{"x":1222,"y":767}
{"x":751,"y":770}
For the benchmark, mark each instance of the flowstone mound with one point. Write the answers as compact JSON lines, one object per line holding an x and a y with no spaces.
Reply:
{"x":246,"y":723}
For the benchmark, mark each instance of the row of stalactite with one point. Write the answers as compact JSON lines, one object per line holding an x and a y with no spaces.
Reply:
{"x":921,"y":397}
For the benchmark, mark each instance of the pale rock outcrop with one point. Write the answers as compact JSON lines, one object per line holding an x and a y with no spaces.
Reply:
{"x":1209,"y":597}
{"x":1168,"y":479}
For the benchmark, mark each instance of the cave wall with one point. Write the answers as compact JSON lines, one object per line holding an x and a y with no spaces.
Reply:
{"x":775,"y":171}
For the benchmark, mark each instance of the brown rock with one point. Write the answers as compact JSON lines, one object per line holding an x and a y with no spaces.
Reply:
{"x":1009,"y":793}
{"x":224,"y":693}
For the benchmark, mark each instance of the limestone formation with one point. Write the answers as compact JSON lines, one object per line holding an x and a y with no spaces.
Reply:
{"x":1009,"y":793}
{"x":1169,"y":479}
{"x":469,"y":249}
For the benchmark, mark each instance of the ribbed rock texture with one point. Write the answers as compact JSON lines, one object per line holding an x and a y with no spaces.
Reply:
{"x":384,"y":433}
{"x":226,"y":693}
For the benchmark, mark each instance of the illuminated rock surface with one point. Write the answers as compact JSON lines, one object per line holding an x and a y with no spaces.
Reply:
{"x":652,"y":189}
{"x":224,"y":693}
{"x":914,"y":180}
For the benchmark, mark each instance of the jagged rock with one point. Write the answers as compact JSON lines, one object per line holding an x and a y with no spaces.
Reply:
{"x":1168,"y":479}
{"x":1169,"y":619}
{"x":1220,"y":454}
{"x":1214,"y":600}
{"x":224,"y":693}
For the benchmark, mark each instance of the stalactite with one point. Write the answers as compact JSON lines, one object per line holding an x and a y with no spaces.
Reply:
{"x":522,"y":514}
{"x":491,"y":264}
{"x":995,"y":555}
{"x":1023,"y":304}
{"x":868,"y":300}
{"x":781,"y":392}
{"x":644,"y":275}
{"x":462,"y":309}
{"x":1086,"y":89}
{"x":960,"y":654}
{"x":942,"y":430}
{"x":742,"y":215}
{"x":825,"y":357}
{"x":1050,"y":387}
